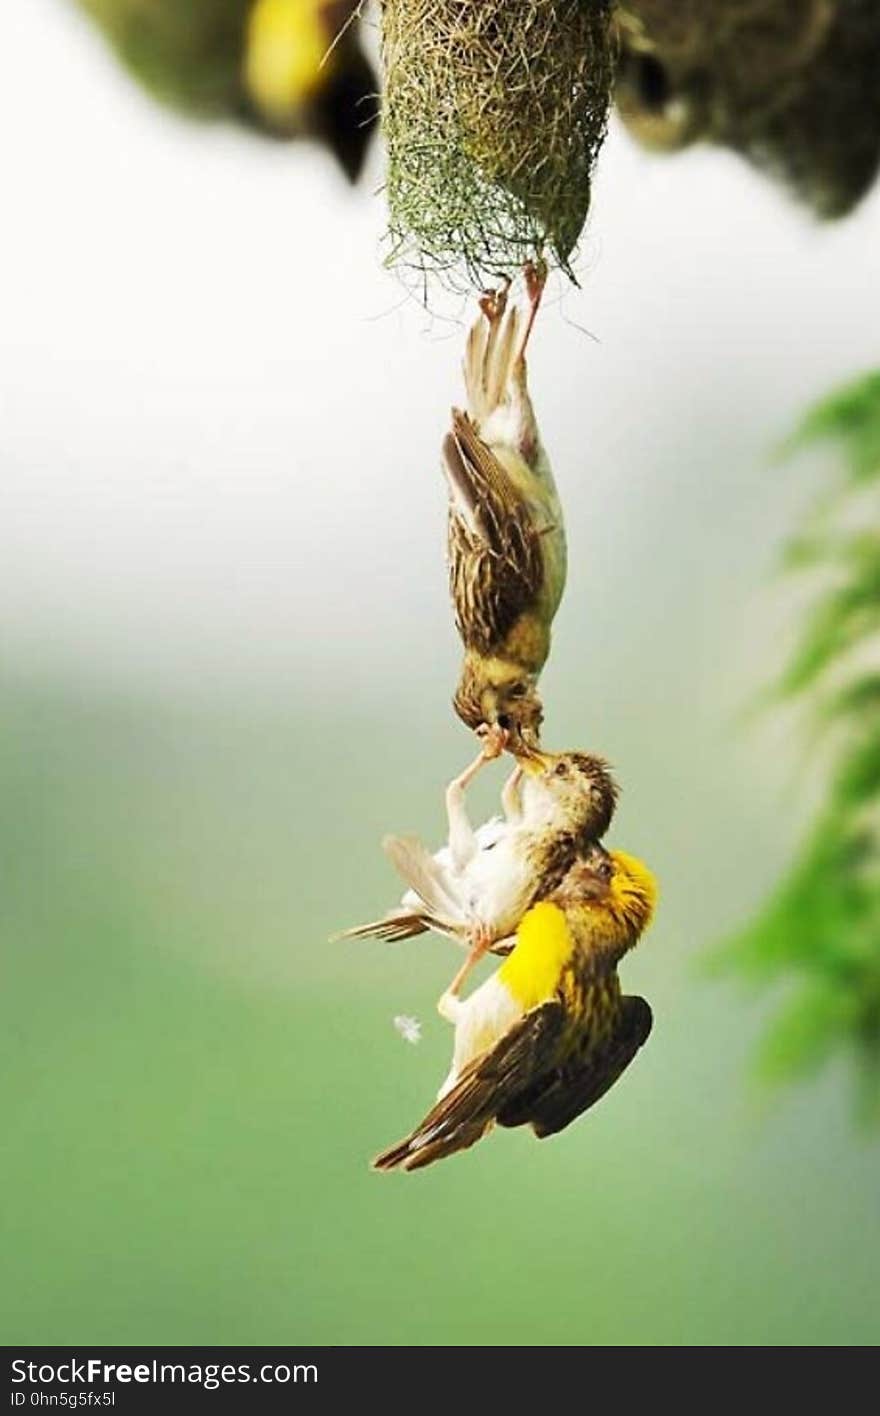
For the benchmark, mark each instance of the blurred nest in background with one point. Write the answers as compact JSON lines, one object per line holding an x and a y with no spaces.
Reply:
{"x":790,"y":84}
{"x":493,"y":115}
{"x":759,"y":39}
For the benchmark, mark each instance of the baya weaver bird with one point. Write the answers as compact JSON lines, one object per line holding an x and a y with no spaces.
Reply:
{"x":551,"y":1031}
{"x":478,"y":887}
{"x":287,"y":68}
{"x":506,"y":537}
{"x":305,"y":72}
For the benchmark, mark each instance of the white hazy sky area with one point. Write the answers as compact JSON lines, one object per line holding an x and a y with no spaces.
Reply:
{"x":221,"y":417}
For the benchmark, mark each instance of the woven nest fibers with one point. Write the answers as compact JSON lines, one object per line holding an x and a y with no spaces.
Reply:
{"x":494,"y":111}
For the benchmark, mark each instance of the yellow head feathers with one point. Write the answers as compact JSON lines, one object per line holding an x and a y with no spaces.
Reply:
{"x":609,"y":899}
{"x":286,"y":59}
{"x":633,"y":890}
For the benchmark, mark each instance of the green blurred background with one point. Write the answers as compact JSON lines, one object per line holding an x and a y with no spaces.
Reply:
{"x":226,"y":664}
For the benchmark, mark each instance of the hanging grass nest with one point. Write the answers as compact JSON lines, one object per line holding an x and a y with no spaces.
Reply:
{"x":494,"y":112}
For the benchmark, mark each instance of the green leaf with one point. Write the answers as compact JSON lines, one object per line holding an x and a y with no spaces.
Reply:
{"x":820,"y":930}
{"x":852,"y":418}
{"x":806,"y":1033}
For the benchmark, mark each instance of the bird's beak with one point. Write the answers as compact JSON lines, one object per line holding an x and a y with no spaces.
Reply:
{"x":531,"y":760}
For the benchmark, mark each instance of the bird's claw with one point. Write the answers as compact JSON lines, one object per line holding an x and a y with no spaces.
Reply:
{"x":493,"y":303}
{"x":480,"y":937}
{"x":535,"y":278}
{"x":493,"y":738}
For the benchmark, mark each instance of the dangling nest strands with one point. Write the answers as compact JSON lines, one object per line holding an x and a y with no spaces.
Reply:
{"x":494,"y":111}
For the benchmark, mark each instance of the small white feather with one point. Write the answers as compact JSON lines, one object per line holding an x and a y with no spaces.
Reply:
{"x":410,"y":1029}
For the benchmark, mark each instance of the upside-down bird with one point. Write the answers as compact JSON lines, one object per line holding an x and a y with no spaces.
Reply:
{"x":551,"y":1031}
{"x":477,"y":888}
{"x":506,"y":537}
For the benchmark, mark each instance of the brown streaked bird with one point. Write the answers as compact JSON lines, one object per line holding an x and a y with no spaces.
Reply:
{"x":551,"y":1031}
{"x":506,"y":535}
{"x":478,"y":887}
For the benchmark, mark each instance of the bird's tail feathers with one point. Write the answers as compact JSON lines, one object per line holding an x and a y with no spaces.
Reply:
{"x":412,"y":1155}
{"x":457,"y":1121}
{"x":399,"y":924}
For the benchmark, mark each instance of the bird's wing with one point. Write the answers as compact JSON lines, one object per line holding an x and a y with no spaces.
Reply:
{"x":495,"y":559}
{"x":423,"y":874}
{"x":525,"y":1053}
{"x":569,"y":1090}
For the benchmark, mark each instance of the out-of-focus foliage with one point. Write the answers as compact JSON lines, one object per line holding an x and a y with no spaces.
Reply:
{"x":789,"y":84}
{"x":271,"y":64}
{"x":821,"y":931}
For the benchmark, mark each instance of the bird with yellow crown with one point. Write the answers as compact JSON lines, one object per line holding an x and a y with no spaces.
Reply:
{"x":551,"y":1031}
{"x":289,"y":69}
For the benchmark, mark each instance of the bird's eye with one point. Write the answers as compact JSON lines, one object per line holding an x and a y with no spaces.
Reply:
{"x":561,"y":769}
{"x":653,"y":83}
{"x":517,"y":690}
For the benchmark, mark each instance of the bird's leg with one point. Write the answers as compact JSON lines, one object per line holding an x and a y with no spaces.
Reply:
{"x":481,"y":942}
{"x":493,"y":304}
{"x":480,"y":351}
{"x":462,"y":841}
{"x":511,"y":795}
{"x":535,"y":277}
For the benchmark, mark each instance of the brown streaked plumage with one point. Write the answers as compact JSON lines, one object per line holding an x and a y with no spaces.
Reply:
{"x":506,"y":537}
{"x":551,"y":1032}
{"x":566,"y":1091}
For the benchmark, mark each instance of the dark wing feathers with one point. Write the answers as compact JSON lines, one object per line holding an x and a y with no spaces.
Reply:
{"x":495,"y":556}
{"x":567,"y":1092}
{"x":518,"y":1059}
